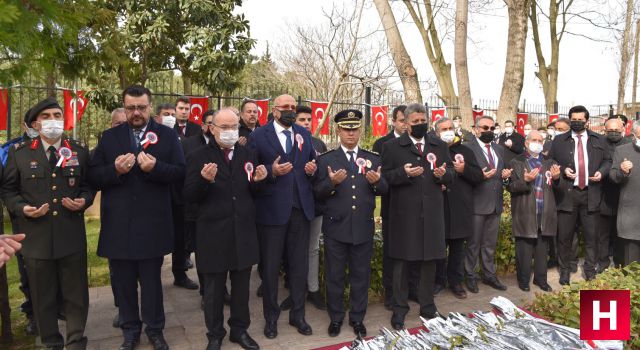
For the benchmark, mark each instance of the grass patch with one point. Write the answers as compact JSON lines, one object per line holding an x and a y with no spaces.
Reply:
{"x":98,"y":272}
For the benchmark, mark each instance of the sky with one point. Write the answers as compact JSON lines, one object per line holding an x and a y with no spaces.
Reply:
{"x":588,"y":69}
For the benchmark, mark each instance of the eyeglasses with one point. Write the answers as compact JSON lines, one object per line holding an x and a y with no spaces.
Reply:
{"x":208,"y":123}
{"x":139,"y":108}
{"x":226,"y":127}
{"x":487,"y":128}
{"x":286,"y":107}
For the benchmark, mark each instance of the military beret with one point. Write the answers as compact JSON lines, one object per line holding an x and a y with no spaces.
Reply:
{"x":26,"y":117}
{"x":49,"y":102}
{"x":348,"y":119}
{"x":457,"y":118}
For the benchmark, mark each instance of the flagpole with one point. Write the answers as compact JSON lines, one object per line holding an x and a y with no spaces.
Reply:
{"x":75,"y":107}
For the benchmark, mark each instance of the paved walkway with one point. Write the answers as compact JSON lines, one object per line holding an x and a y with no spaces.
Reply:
{"x":185,"y":327}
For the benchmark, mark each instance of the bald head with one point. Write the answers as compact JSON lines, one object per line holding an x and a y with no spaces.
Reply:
{"x":283,"y":103}
{"x":614,"y":124}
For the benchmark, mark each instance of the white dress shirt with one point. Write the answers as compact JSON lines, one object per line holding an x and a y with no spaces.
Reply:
{"x":46,"y":146}
{"x":483,"y":147}
{"x":345,"y":150}
{"x":282,"y":137}
{"x":585,"y":138}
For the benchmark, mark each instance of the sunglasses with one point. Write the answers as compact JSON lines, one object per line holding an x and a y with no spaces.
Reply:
{"x":487,"y":128}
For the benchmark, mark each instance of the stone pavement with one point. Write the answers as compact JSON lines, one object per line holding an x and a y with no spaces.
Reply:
{"x":185,"y":327}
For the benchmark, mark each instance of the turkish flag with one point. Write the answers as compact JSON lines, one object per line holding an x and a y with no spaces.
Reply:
{"x":199,"y":105}
{"x":379,"y":114}
{"x":4,"y":108}
{"x":318,"y":110}
{"x":521,"y":121}
{"x":263,"y":111}
{"x":477,"y":113}
{"x":628,"y":127}
{"x":436,"y":114}
{"x":70,"y":100}
{"x":553,"y":117}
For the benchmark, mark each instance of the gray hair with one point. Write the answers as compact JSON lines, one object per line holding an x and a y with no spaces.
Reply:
{"x":481,"y":118}
{"x":116,"y":111}
{"x":531,"y":133}
{"x":564,"y":120}
{"x":415,"y":108}
{"x":440,"y":121}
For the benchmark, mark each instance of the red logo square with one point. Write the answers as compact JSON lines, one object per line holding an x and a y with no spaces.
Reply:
{"x":605,"y":314}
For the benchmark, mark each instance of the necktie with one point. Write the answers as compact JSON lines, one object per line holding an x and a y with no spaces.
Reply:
{"x":53,"y":157}
{"x":582,"y":180}
{"x":287,"y":146}
{"x":136,"y":135}
{"x":352,"y":161}
{"x":419,"y":145}
{"x":490,"y":156}
{"x":181,"y":127}
{"x":226,"y":151}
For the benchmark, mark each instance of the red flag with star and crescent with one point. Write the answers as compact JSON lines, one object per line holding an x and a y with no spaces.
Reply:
{"x":521,"y":121}
{"x":4,"y":108}
{"x":477,"y":113}
{"x":263,"y":111}
{"x":318,"y":110}
{"x":199,"y":105}
{"x":380,"y":115}
{"x":70,"y":100}
{"x":437,"y":114}
{"x":553,"y":117}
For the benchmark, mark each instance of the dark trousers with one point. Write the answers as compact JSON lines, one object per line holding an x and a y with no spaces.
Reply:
{"x":482,"y":245}
{"x":451,"y":269}
{"x":607,"y":234}
{"x":214,"y":289}
{"x":566,"y":230}
{"x":190,"y":238}
{"x":66,"y":276}
{"x":26,"y":306}
{"x":5,"y":310}
{"x":127,"y":274}
{"x":179,"y":255}
{"x":536,"y":249}
{"x":401,"y":288}
{"x":387,"y":261}
{"x":357,"y":258}
{"x":294,"y":236}
{"x":113,"y":288}
{"x":631,"y":251}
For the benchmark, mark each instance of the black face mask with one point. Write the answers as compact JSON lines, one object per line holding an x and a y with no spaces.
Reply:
{"x":486,"y":136}
{"x":287,"y":118}
{"x":614,"y":136}
{"x":577,"y":125}
{"x":419,"y":130}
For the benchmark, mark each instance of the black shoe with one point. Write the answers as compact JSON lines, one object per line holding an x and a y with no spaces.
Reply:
{"x":259,"y":291}
{"x":286,"y":304}
{"x":458,"y":291}
{"x":397,"y":323}
{"x":388,"y":300}
{"x":524,"y":287}
{"x":214,"y":344}
{"x":317,"y":300}
{"x":334,"y":329}
{"x":437,"y":288}
{"x":589,"y":276}
{"x":358,"y":329}
{"x":429,"y":315}
{"x":472,"y":285}
{"x":129,"y":344}
{"x":245,"y":341}
{"x":158,"y":342}
{"x":227,"y":298}
{"x":494,"y":283}
{"x":188,"y":264}
{"x":116,"y":321}
{"x":564,"y":277}
{"x":186,"y":283}
{"x":544,"y":286}
{"x":302,"y":326}
{"x":271,"y":329}
{"x":31,"y":327}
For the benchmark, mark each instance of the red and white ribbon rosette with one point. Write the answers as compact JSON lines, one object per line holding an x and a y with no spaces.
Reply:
{"x":150,"y":139}
{"x":300,"y":141}
{"x":459,"y":158}
{"x":431,"y":158}
{"x":64,"y":154}
{"x":548,"y":176}
{"x":248,"y":168}
{"x":361,"y":163}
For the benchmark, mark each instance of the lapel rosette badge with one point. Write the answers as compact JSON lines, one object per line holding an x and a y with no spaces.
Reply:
{"x":64,"y":154}
{"x":300,"y":141}
{"x":150,"y":139}
{"x":547,"y":174}
{"x":248,"y":168}
{"x":459,"y":158}
{"x":431,"y":158}
{"x":361,"y":163}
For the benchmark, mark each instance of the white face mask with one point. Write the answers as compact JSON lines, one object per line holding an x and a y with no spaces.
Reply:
{"x":447,"y":136}
{"x":526,"y":132}
{"x":169,"y":120}
{"x":535,"y":148}
{"x":496,"y":132}
{"x":508,"y":130}
{"x":558,"y":133}
{"x":228,"y":138}
{"x":638,"y":142}
{"x":32,"y":133}
{"x":52,"y":129}
{"x":544,"y":136}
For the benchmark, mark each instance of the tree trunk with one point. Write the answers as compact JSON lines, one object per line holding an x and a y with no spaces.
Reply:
{"x":635,"y":68}
{"x":514,"y":67}
{"x":186,"y":83}
{"x":401,"y":58}
{"x":625,"y":56}
{"x":462,"y":70}
{"x":50,"y":82}
{"x":548,"y":74}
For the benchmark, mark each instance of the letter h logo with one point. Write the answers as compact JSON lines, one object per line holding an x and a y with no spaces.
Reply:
{"x":605,"y":314}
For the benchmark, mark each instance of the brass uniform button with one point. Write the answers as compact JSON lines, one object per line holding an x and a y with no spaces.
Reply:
{"x":54,"y":187}
{"x":353,"y":186}
{"x":55,"y":200}
{"x":53,"y":175}
{"x":33,"y":176}
{"x":353,"y":207}
{"x":55,"y":213}
{"x":354,"y":197}
{"x":353,"y":176}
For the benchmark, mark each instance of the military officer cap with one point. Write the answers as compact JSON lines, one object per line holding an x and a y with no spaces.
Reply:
{"x":457,"y":118}
{"x":348,"y":119}
{"x":49,"y":102}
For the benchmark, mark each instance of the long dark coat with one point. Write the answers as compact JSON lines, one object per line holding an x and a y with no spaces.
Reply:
{"x":416,"y":205}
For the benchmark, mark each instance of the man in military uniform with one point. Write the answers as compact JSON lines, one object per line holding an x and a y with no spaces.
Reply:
{"x":44,"y":186}
{"x":349,"y":181}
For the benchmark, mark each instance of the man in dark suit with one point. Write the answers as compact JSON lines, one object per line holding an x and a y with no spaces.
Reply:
{"x":135,"y":165}
{"x":285,"y":208}
{"x":584,"y":162}
{"x":399,"y":128}
{"x":458,"y":200}
{"x":512,"y":142}
{"x":248,"y":120}
{"x":184,"y":127}
{"x":415,"y":167}
{"x":348,"y":181}
{"x":45,"y":187}
{"x":487,"y":206}
{"x":220,"y":173}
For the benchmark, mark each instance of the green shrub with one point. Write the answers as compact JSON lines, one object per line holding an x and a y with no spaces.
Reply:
{"x":563,"y":306}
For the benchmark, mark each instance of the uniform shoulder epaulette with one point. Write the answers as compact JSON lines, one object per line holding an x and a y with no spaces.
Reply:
{"x":327,"y":152}
{"x":77,"y":143}
{"x":372,"y":152}
{"x":19,"y":145}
